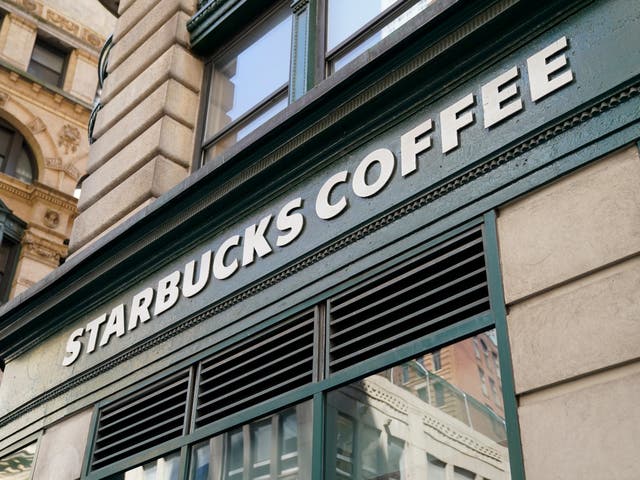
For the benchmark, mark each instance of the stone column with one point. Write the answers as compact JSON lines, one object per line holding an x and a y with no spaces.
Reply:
{"x":145,"y":131}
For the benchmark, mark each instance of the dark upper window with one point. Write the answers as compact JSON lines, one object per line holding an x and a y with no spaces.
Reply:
{"x":48,"y":62}
{"x":16,"y":158}
{"x":11,"y":231}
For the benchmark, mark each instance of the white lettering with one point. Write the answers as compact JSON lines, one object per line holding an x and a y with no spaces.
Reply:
{"x":115,"y":324}
{"x":543,"y":74}
{"x":73,"y":347}
{"x":168,"y":293}
{"x":496,"y":93}
{"x":254,"y":241}
{"x":410,"y":147}
{"x":451,"y":123}
{"x":191,"y":288}
{"x":220,"y":270}
{"x":93,"y":328}
{"x":387,"y":162}
{"x":140,"y":308}
{"x":324,"y":209}
{"x":291,"y":222}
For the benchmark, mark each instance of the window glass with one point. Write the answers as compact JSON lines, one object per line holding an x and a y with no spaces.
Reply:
{"x":376,"y":426}
{"x":47,"y":62}
{"x":16,"y":159}
{"x":346,"y":17}
{"x":250,"y":73}
{"x":18,"y":465}
{"x":164,"y":468}
{"x":275,"y":447}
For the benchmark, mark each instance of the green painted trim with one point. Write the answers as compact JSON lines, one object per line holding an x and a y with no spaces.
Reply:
{"x":91,"y":440}
{"x":516,"y":459}
{"x":318,"y":437}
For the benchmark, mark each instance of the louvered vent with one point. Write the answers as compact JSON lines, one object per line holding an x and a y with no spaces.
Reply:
{"x":267,"y":364}
{"x":441,"y":286}
{"x":141,"y":421}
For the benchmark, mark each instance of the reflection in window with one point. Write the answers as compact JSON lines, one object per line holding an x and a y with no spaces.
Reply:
{"x":249,"y":82}
{"x":354,"y":26}
{"x":18,"y":465}
{"x":276,"y":447}
{"x":376,"y":426}
{"x":165,"y":468}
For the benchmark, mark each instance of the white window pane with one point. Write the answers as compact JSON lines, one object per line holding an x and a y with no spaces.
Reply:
{"x":254,"y":70}
{"x":345,"y":17}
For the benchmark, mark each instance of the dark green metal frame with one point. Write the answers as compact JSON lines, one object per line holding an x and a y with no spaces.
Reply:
{"x":325,"y":382}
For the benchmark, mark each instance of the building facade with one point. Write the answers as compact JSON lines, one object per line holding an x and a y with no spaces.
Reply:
{"x":48,"y":77}
{"x":332,"y":239}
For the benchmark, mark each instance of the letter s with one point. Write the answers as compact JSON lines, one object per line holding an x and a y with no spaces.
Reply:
{"x":293,"y":222}
{"x":73,"y":347}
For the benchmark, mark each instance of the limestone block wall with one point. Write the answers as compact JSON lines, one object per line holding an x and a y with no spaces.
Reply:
{"x":571,"y":271}
{"x":145,"y":131}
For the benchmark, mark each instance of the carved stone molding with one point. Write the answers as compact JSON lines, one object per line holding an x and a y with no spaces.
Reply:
{"x":4,"y":97}
{"x":51,"y":219}
{"x":59,"y":165}
{"x":62,"y":22}
{"x":42,"y":250}
{"x":36,"y":126}
{"x":69,"y":138}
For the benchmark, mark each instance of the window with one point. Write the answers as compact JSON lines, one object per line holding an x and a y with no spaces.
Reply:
{"x":18,"y":465}
{"x":48,"y":62}
{"x":354,"y":26}
{"x":483,"y":383}
{"x":248,"y":78}
{"x":437,"y":360}
{"x":476,"y":350}
{"x":16,"y":158}
{"x":249,"y":82}
{"x":359,"y":401}
{"x":273,"y":447}
{"x":495,"y":363}
{"x":485,"y":351}
{"x":494,"y":391}
{"x":11,"y":231}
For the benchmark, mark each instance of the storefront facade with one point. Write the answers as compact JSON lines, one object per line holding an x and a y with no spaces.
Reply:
{"x":424,"y":266}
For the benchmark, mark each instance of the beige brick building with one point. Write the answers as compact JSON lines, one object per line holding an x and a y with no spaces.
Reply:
{"x":48,"y":78}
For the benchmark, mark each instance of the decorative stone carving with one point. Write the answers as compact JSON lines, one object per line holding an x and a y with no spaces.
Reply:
{"x":43,"y":250}
{"x":57,"y":164}
{"x":92,"y":38}
{"x":36,"y":126}
{"x":51,"y":219}
{"x":69,"y":138}
{"x":62,"y":22}
{"x":32,"y":6}
{"x":4,"y":96}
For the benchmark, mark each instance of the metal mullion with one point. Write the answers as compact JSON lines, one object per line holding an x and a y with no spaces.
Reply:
{"x":245,"y":117}
{"x":318,"y":436}
{"x":409,"y":331}
{"x":413,"y":300}
{"x":275,"y":457}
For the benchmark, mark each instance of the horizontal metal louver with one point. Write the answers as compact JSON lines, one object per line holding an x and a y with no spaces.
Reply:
{"x":143,"y":420}
{"x":441,"y":286}
{"x":271,"y":362}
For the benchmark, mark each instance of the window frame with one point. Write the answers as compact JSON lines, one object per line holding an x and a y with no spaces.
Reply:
{"x":55,"y":47}
{"x":18,"y":144}
{"x":324,"y":382}
{"x":207,"y":142}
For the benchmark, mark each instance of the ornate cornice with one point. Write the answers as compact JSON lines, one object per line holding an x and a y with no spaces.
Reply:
{"x":401,"y":211}
{"x":38,"y":191}
{"x":42,"y":250}
{"x":45,"y":13}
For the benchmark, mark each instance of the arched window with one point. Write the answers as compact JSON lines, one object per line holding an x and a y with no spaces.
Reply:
{"x":16,"y":158}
